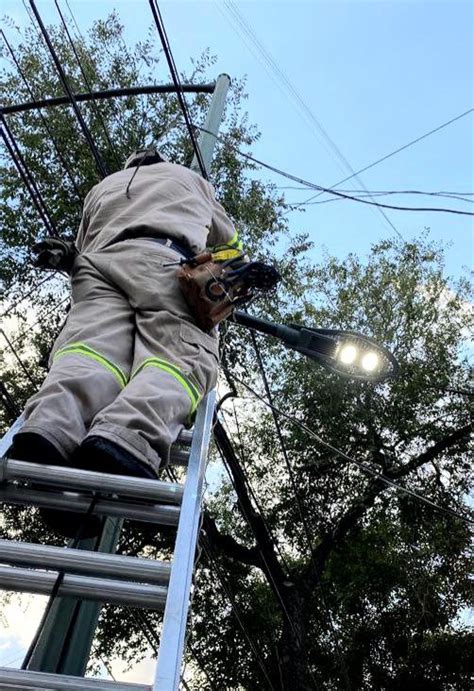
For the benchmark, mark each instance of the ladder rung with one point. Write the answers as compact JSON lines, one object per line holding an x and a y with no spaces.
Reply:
{"x":72,"y":478}
{"x":87,"y":587}
{"x":83,"y":561}
{"x":179,"y":457}
{"x":161,"y":514}
{"x":26,"y":679}
{"x":185,"y":437}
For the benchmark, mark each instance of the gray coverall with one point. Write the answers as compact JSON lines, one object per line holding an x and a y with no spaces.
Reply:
{"x":130,"y":363}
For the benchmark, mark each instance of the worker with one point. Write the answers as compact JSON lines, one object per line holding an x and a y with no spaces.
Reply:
{"x":131,"y":363}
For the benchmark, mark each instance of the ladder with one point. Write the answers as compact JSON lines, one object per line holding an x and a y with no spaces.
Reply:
{"x":102,"y":577}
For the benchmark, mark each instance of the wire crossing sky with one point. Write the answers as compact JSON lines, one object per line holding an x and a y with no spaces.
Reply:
{"x":373,"y":76}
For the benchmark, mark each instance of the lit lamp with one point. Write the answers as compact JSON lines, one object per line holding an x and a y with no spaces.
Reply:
{"x":348,"y":353}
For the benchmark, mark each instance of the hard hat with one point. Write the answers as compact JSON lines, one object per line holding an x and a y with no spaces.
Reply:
{"x":144,"y":157}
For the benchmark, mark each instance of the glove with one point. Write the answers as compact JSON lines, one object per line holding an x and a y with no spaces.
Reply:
{"x":54,"y":253}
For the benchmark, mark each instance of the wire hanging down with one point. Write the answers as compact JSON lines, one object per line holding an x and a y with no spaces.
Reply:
{"x":365,"y":467}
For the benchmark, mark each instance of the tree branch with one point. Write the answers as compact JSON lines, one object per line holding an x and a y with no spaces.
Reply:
{"x":432,"y":452}
{"x":228,"y":545}
{"x":269,"y":561}
{"x":333,"y":538}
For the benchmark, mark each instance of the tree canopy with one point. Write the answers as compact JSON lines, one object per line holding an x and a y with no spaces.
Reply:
{"x":312,"y":574}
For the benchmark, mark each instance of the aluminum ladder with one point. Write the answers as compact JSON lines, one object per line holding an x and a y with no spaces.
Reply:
{"x":117,"y":579}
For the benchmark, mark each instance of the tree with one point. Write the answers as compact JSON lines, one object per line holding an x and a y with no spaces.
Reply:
{"x":312,"y":574}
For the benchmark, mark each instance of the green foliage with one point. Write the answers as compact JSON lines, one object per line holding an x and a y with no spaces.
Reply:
{"x":377,"y":603}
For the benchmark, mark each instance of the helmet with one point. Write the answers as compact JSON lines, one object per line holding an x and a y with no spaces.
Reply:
{"x":144,"y":157}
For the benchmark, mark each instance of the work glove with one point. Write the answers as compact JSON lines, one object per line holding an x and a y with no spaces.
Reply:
{"x":54,"y":253}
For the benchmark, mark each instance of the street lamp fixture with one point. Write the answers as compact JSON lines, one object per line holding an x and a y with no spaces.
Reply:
{"x":347,"y":353}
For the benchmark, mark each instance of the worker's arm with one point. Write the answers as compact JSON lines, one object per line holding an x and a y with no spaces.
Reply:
{"x":58,"y":254}
{"x":222,"y":234}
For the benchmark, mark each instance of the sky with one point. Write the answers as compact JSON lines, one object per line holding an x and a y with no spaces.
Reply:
{"x":373,"y":75}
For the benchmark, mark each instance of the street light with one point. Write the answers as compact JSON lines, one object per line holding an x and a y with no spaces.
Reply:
{"x":348,"y":353}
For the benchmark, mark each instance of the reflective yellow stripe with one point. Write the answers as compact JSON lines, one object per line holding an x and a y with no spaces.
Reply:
{"x":185,"y":381}
{"x":234,"y":243}
{"x":86,"y":351}
{"x":224,"y":255}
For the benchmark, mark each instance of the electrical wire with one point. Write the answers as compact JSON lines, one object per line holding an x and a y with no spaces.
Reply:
{"x":235,"y":609}
{"x":365,"y":467}
{"x":315,"y":186}
{"x":262,"y":555}
{"x":294,"y":94}
{"x":43,"y":119}
{"x":400,"y":148}
{"x":175,"y":77}
{"x":298,"y":503}
{"x":96,"y":109}
{"x":30,"y":327}
{"x":254,"y":496}
{"x":383,"y":194}
{"x":20,"y":361}
{"x":24,"y":296}
{"x":26,"y":176}
{"x":102,"y":168}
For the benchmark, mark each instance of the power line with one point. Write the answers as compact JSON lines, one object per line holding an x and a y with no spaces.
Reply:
{"x":296,"y":96}
{"x":262,"y":555}
{"x":43,"y":119}
{"x":27,"y":295}
{"x":19,"y":360}
{"x":87,"y":83}
{"x":298,"y":500}
{"x":26,"y":176}
{"x":40,"y":319}
{"x":401,"y":148}
{"x":315,"y":186}
{"x":365,"y":467}
{"x":202,"y":541}
{"x":383,"y":194}
{"x":175,"y":77}
{"x":98,"y":158}
{"x":235,"y":608}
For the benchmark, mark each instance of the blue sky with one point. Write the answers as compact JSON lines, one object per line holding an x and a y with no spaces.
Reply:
{"x":374,"y":74}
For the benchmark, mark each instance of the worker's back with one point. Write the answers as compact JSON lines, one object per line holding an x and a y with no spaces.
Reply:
{"x":163,"y":198}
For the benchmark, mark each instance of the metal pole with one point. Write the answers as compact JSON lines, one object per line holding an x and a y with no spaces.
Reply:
{"x":207,"y":140}
{"x":66,"y":639}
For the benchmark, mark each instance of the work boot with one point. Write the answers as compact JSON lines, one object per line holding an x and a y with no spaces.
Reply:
{"x":103,"y":456}
{"x":33,"y":448}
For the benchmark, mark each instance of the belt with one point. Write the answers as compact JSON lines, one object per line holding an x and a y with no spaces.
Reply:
{"x":168,"y":242}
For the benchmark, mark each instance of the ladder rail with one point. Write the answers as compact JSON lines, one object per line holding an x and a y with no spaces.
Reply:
{"x":173,"y":631}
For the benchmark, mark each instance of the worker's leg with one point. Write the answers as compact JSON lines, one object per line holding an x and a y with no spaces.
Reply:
{"x":90,"y":361}
{"x":175,"y":364}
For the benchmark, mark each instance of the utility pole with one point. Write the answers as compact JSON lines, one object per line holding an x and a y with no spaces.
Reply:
{"x":207,"y":139}
{"x":65,"y":640}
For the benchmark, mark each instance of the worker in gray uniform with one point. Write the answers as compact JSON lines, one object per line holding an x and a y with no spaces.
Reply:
{"x":131,"y":363}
